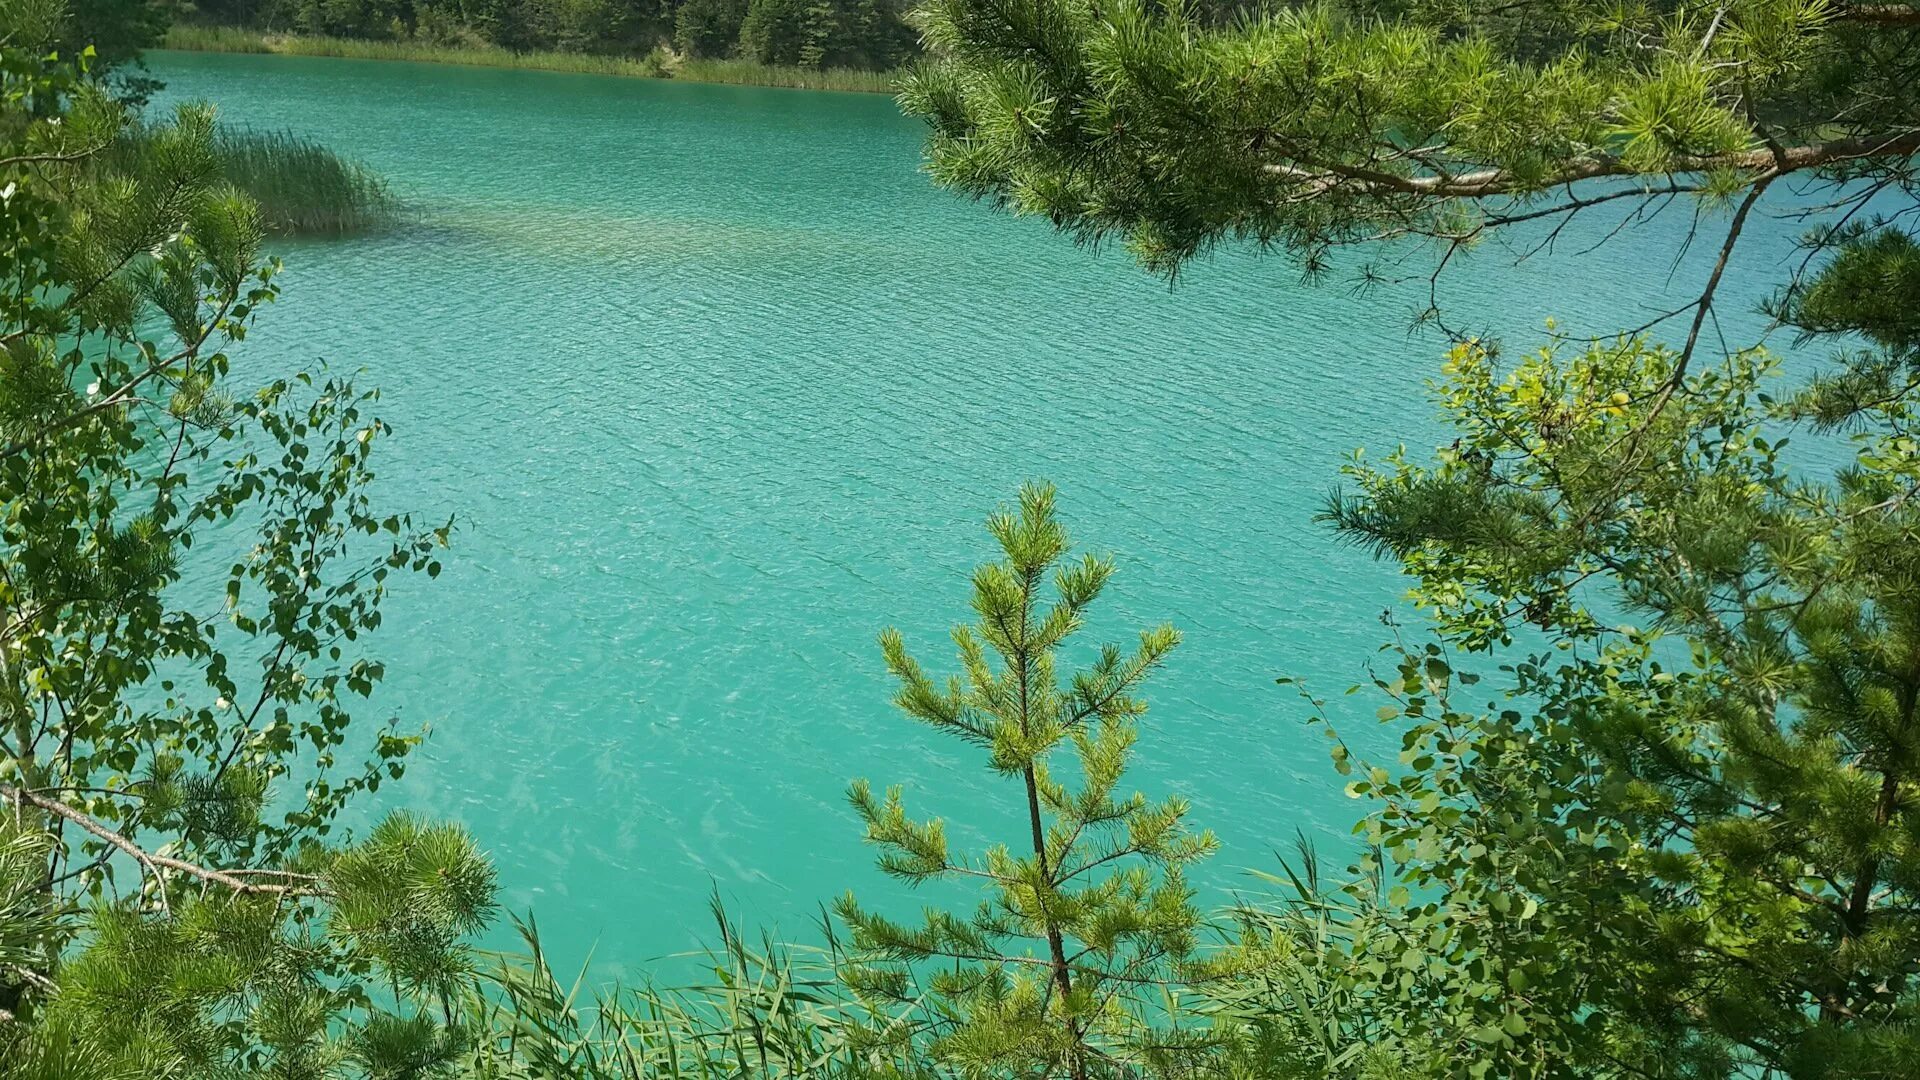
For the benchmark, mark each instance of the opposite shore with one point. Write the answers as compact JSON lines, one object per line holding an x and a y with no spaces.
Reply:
{"x":658,"y":64}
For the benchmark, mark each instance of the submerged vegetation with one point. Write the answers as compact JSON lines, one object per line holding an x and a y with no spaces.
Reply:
{"x":657,"y":63}
{"x":299,"y":187}
{"x":1655,"y":811}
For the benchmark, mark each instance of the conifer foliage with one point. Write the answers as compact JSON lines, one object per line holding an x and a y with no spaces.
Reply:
{"x":352,"y":966}
{"x":1309,"y":127}
{"x":1677,"y":835}
{"x":1086,"y":909}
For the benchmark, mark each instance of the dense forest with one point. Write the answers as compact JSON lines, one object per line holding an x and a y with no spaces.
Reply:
{"x":869,"y":34}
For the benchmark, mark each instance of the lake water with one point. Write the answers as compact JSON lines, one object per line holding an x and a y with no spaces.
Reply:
{"x":719,"y":386}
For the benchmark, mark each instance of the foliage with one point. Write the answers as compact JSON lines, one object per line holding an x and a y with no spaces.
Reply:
{"x":1281,"y":999}
{"x":708,"y":28}
{"x":816,"y":35}
{"x":1089,"y":906}
{"x":117,"y":31}
{"x":657,"y":64}
{"x":1346,"y":121}
{"x":771,"y":1010}
{"x":156,"y":708}
{"x":1679,"y":838}
{"x":146,"y":725}
{"x":1712,"y":802}
{"x":748,"y":73}
{"x":345,"y":970}
{"x":774,"y":31}
{"x":823,"y":33}
{"x":1676,"y":836}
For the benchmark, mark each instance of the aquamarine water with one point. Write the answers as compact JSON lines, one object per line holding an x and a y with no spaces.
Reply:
{"x":719,"y":386}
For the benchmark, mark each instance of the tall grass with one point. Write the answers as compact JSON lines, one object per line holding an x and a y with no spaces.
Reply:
{"x":302,"y":187}
{"x":229,"y":39}
{"x":658,"y":64}
{"x":749,"y":73}
{"x":777,"y":1012}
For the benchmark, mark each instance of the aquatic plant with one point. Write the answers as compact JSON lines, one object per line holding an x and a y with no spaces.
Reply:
{"x":299,"y":186}
{"x":750,"y":73}
{"x":303,"y":187}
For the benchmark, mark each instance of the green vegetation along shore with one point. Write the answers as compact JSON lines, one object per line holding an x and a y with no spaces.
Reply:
{"x":299,"y":186}
{"x":656,"y":64}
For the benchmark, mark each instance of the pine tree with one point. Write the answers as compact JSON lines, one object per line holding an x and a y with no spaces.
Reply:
{"x":1706,"y":800}
{"x":821,"y":34}
{"x":354,"y":965}
{"x":1681,"y":840}
{"x":1087,"y":911}
{"x":1314,"y":127}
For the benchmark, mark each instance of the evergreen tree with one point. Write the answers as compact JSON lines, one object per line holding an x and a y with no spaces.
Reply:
{"x":1087,"y":909}
{"x":774,"y":31}
{"x":821,"y":35}
{"x":879,"y":35}
{"x":352,"y":966}
{"x":706,"y":28}
{"x":1679,"y":838}
{"x":1334,"y":123}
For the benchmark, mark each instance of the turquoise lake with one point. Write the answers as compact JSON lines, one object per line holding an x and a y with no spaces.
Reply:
{"x":719,"y":386}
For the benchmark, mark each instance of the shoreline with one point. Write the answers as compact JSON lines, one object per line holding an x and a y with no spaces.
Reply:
{"x":659,"y":64}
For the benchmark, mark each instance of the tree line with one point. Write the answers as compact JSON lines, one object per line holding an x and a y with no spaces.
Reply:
{"x":1655,"y":805}
{"x":869,"y":34}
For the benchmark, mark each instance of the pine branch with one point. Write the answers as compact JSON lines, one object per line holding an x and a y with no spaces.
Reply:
{"x":153,"y":863}
{"x":1325,"y":176}
{"x":124,"y":394}
{"x":1881,"y":14}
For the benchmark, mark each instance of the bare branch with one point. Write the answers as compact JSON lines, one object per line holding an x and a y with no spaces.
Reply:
{"x":153,"y":863}
{"x":1322,"y":176}
{"x":1881,"y":14}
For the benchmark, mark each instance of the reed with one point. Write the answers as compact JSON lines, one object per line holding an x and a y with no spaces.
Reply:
{"x":749,"y":73}
{"x":769,"y":1011}
{"x":657,"y":64}
{"x":301,"y":187}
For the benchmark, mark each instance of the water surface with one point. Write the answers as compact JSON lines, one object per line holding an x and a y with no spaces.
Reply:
{"x":719,"y":386}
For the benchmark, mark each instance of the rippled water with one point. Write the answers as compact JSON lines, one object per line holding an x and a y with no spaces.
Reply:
{"x":719,"y":386}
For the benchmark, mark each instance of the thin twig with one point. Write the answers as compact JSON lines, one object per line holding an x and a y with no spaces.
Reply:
{"x":232,"y":879}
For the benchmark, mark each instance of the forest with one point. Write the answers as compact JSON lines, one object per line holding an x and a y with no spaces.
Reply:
{"x":816,"y":34}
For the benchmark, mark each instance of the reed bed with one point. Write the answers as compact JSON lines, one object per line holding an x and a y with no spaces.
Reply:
{"x":771,"y":1012}
{"x":748,"y":73}
{"x":658,"y":64}
{"x":302,"y":187}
